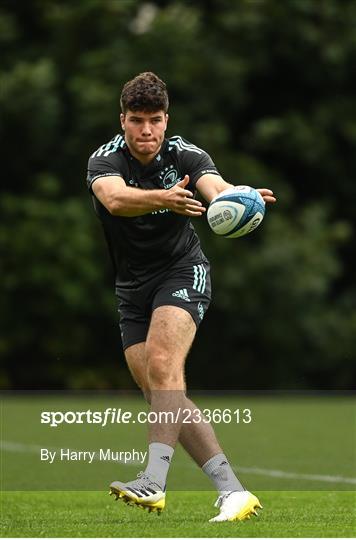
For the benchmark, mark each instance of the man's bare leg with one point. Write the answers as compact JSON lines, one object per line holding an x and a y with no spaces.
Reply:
{"x":157,"y":373}
{"x":198,"y":439}
{"x":169,"y":339}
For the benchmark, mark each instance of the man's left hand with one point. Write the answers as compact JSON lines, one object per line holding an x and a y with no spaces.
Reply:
{"x":267,"y":195}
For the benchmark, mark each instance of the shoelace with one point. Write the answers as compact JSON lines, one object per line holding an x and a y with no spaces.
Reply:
{"x":220,"y":500}
{"x":141,"y":479}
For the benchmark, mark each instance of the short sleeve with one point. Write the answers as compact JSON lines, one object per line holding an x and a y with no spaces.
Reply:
{"x":99,"y":167}
{"x":193,"y":160}
{"x":200,"y":165}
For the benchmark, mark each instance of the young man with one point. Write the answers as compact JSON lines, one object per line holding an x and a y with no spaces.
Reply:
{"x":143,"y":188}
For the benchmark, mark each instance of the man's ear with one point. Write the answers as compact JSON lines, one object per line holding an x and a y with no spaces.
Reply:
{"x":167,"y":118}
{"x":122,"y":120}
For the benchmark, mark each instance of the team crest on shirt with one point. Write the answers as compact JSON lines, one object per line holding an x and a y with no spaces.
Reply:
{"x":169,"y":177}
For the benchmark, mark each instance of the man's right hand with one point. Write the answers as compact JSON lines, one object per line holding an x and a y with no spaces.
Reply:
{"x":180,"y":200}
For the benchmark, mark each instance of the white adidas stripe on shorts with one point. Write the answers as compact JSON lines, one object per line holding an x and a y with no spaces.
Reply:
{"x":199,"y":278}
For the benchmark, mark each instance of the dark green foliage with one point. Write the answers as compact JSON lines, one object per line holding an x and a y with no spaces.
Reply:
{"x":268,"y":89}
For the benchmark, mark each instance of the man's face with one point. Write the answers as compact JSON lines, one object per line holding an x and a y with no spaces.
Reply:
{"x":144,"y":133}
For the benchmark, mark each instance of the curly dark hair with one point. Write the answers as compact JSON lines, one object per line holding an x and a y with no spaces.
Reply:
{"x":146,"y":92}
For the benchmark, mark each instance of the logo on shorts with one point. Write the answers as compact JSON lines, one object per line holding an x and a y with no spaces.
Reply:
{"x":183,"y":294}
{"x":200,"y":311}
{"x":169,"y":177}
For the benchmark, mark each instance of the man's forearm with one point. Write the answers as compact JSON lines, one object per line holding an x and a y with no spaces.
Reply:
{"x":122,"y":200}
{"x":131,"y":202}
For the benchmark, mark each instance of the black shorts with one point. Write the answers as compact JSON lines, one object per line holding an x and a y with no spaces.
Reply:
{"x":185,"y":286}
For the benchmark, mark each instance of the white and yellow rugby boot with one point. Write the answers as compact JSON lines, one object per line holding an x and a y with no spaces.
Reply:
{"x":236,"y":506}
{"x":142,"y":492}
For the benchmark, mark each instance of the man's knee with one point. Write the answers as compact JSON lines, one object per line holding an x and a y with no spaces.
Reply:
{"x":162,"y":372}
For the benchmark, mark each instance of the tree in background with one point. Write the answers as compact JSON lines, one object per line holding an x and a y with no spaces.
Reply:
{"x":266,"y":88}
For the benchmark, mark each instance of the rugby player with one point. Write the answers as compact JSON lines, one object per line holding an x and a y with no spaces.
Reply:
{"x":143,"y":187}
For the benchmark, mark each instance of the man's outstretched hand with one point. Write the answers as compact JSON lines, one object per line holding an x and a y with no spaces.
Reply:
{"x":180,"y":200}
{"x":267,"y":195}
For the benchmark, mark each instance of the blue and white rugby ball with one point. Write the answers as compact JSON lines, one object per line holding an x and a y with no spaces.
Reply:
{"x":236,"y":211}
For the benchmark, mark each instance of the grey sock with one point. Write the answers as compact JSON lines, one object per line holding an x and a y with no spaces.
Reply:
{"x":159,"y":460}
{"x":221,"y":474}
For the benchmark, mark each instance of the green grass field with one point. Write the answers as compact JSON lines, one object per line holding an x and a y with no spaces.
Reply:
{"x":298,"y":455}
{"x":94,"y":514}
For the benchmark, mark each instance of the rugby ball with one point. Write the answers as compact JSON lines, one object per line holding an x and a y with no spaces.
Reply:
{"x":236,"y":211}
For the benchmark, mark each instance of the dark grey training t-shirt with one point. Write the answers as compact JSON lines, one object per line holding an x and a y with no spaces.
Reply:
{"x":140,"y":247}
